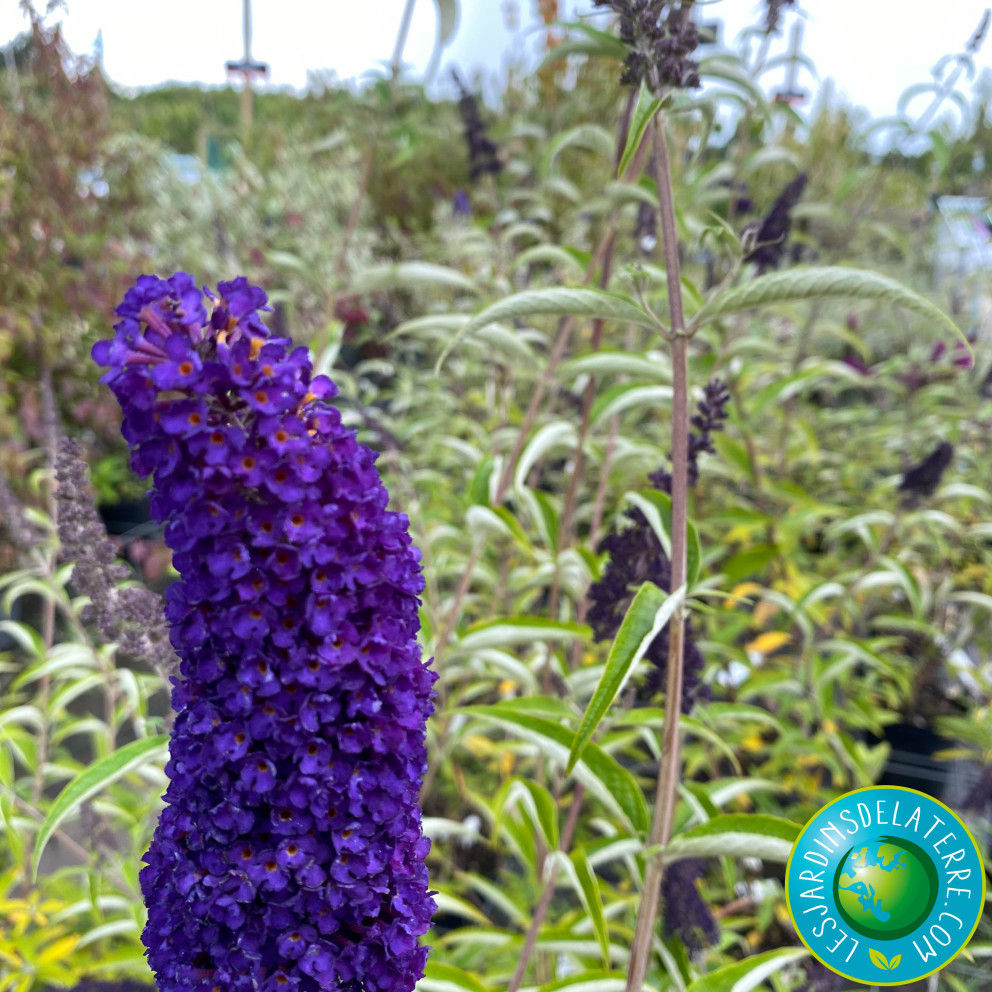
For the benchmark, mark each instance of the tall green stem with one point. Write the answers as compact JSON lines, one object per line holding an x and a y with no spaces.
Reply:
{"x":669,"y":769}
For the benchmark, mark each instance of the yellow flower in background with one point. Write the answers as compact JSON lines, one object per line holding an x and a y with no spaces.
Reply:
{"x":767,"y":643}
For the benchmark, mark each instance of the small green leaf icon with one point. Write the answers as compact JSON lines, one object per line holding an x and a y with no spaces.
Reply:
{"x":894,"y":962}
{"x":878,"y":959}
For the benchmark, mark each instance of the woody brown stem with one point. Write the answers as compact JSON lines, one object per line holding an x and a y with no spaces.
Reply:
{"x":670,"y":765}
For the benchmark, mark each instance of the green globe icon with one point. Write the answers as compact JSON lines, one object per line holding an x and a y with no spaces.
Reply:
{"x":885,"y":887}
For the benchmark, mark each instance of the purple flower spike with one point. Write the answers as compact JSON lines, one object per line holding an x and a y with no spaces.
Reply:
{"x":290,"y":853}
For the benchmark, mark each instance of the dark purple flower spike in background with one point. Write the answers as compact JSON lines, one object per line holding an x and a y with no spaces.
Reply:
{"x":290,"y":853}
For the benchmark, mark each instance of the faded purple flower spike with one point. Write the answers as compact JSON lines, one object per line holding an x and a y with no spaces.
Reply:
{"x":765,"y":239}
{"x":921,"y":480}
{"x":483,"y":154}
{"x":289,"y":855}
{"x":636,"y":556}
{"x":660,"y":35}
{"x":686,"y":914}
{"x":131,"y":616}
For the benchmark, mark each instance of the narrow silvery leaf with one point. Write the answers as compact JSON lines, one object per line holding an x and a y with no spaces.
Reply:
{"x":559,"y":433}
{"x":644,"y":112}
{"x":731,"y":69}
{"x":92,"y":780}
{"x":589,"y":41}
{"x":659,"y":523}
{"x":561,"y":302}
{"x":591,"y":137}
{"x":516,"y":630}
{"x":626,"y":396}
{"x":598,"y":771}
{"x":754,"y":835}
{"x":550,"y":255}
{"x":647,"y":615}
{"x":407,"y":275}
{"x":448,"y":903}
{"x":440,"y":977}
{"x":538,"y":803}
{"x":828,"y":282}
{"x":742,"y":787}
{"x":616,"y":363}
{"x":742,"y":976}
{"x":584,"y":879}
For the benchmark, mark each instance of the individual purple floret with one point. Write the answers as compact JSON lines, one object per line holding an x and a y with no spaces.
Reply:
{"x":289,"y":854}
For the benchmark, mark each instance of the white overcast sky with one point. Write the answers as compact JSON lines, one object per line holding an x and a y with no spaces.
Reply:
{"x":872,"y":49}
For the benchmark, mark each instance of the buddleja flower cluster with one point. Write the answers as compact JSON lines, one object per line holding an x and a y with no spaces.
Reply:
{"x":483,"y":154}
{"x":289,"y":854}
{"x":920,"y":481}
{"x":636,"y":557}
{"x":769,"y":235}
{"x":131,"y":616}
{"x":685,"y":914}
{"x":660,"y":35}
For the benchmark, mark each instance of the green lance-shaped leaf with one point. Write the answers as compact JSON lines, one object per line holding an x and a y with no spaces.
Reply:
{"x":557,"y":434}
{"x":28,"y":639}
{"x":447,"y":903}
{"x":598,"y":771}
{"x":604,"y":363}
{"x":742,"y":976}
{"x":410,"y":275}
{"x":551,"y":255}
{"x":495,"y":339}
{"x":723,"y":790}
{"x":588,"y":41}
{"x":654,"y":718}
{"x":828,"y":282}
{"x":516,"y":630}
{"x":439,"y":977}
{"x":441,"y":828}
{"x":536,"y":800}
{"x":640,"y":121}
{"x":545,"y":512}
{"x":754,"y":835}
{"x":595,"y":980}
{"x":592,"y":899}
{"x":481,"y":522}
{"x":286,"y":261}
{"x":650,"y":610}
{"x":656,"y":505}
{"x":627,"y":396}
{"x":731,"y":69}
{"x":591,"y":137}
{"x":92,"y":780}
{"x":500,"y":897}
{"x":479,"y":488}
{"x":561,"y":301}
